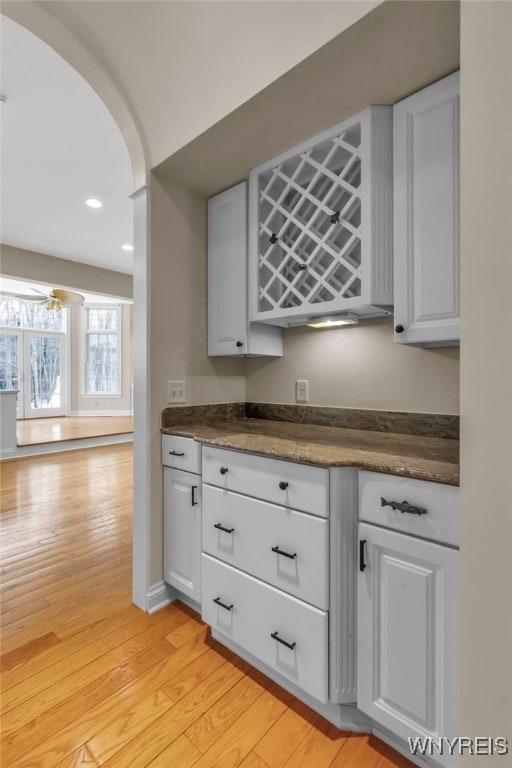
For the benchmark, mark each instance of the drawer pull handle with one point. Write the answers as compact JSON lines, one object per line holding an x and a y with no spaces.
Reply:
{"x":220,"y":527}
{"x":194,"y":500}
{"x":291,"y":646}
{"x":222,"y":605}
{"x":283,"y":485}
{"x":362,"y":564}
{"x":283,"y":553}
{"x":403,"y":506}
{"x":223,"y":470}
{"x":176,"y":453}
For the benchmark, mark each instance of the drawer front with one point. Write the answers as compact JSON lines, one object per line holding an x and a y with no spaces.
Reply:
{"x":258,"y":611}
{"x":181,"y":453}
{"x":243,"y":532}
{"x":298,"y":486}
{"x":441,"y":502}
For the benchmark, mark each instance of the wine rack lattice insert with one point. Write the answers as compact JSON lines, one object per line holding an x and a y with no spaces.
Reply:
{"x":309,"y":240}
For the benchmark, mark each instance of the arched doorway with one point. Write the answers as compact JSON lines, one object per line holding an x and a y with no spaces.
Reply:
{"x":40,"y":22}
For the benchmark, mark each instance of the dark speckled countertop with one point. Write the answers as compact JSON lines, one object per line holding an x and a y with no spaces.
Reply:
{"x":435,"y":459}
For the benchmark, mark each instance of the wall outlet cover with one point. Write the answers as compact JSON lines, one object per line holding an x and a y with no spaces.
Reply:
{"x":302,"y":391}
{"x":176,"y":392}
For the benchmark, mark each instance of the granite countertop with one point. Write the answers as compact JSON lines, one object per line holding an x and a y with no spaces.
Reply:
{"x":422,"y":458}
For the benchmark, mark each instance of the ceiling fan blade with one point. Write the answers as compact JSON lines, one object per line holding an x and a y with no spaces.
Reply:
{"x":25,"y":297}
{"x":67,"y":297}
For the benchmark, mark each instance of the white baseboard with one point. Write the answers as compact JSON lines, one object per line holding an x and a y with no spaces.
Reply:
{"x":158,"y":596}
{"x":65,"y":445}
{"x":161,"y":594}
{"x":98,"y":412}
{"x":6,"y":453}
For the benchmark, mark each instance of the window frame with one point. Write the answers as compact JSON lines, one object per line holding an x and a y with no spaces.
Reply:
{"x":85,"y":350}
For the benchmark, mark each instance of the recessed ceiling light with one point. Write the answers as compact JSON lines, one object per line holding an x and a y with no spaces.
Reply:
{"x":127,"y":247}
{"x":93,"y":203}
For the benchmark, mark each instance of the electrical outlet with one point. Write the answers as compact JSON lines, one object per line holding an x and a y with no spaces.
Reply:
{"x":176,"y":392}
{"x":302,"y":391}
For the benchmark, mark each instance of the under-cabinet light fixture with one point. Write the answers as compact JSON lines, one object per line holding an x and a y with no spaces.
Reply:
{"x":345,"y":318}
{"x":93,"y":203}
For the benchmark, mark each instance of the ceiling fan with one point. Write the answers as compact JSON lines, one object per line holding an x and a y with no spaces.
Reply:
{"x":55,"y":300}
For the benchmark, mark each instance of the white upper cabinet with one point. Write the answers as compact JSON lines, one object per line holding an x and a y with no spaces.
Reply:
{"x":229,"y":332}
{"x":320,"y":225}
{"x":426,"y":215}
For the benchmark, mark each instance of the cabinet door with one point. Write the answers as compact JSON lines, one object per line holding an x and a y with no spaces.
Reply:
{"x":229,"y":332}
{"x":227,"y":272}
{"x":407,"y":633}
{"x":320,"y":224}
{"x":426,"y":215}
{"x":182,"y":531}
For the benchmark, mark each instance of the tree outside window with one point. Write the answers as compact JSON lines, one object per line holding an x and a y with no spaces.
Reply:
{"x":44,"y":352}
{"x":102,"y":338}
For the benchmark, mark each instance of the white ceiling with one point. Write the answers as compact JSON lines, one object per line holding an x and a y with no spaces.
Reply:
{"x":59,"y":147}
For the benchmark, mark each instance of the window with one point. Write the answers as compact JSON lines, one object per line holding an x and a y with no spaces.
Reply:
{"x":103,"y":349}
{"x":18,"y":313}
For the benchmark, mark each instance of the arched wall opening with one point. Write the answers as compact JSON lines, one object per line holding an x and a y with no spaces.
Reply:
{"x":40,"y":22}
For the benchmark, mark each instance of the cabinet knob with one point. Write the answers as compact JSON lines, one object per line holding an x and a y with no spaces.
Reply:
{"x":399,"y":328}
{"x":239,"y":343}
{"x":223,"y":470}
{"x":283,"y":486}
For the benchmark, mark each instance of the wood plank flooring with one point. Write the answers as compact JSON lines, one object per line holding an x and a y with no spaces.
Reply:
{"x":89,"y":680}
{"x":57,"y":428}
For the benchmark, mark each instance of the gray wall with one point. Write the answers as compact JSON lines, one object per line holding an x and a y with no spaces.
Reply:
{"x":358,"y":367}
{"x":486,"y":374}
{"x":63,"y":273}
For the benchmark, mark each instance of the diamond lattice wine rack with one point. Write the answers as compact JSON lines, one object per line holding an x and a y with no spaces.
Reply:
{"x":320,"y":225}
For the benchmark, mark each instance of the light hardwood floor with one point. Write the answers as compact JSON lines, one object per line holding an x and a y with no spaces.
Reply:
{"x":90,"y":680}
{"x":54,"y":429}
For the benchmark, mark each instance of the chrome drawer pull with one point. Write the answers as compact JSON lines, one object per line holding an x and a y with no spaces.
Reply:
{"x":220,"y":527}
{"x":283,"y":553}
{"x":222,"y":605}
{"x":275,"y":636}
{"x":223,"y":470}
{"x":283,"y":485}
{"x":176,"y":453}
{"x":403,"y":506}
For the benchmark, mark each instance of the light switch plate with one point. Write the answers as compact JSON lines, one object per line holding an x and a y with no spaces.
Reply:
{"x":176,"y":392}
{"x":302,"y":391}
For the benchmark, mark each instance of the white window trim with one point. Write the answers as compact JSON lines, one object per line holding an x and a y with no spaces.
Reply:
{"x":84,"y":334}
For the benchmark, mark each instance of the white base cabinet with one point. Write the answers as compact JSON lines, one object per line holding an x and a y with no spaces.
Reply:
{"x":182,"y":532}
{"x":278,"y":568}
{"x":407,"y":619}
{"x":285,"y":633}
{"x":229,"y":330}
{"x":426,"y":215}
